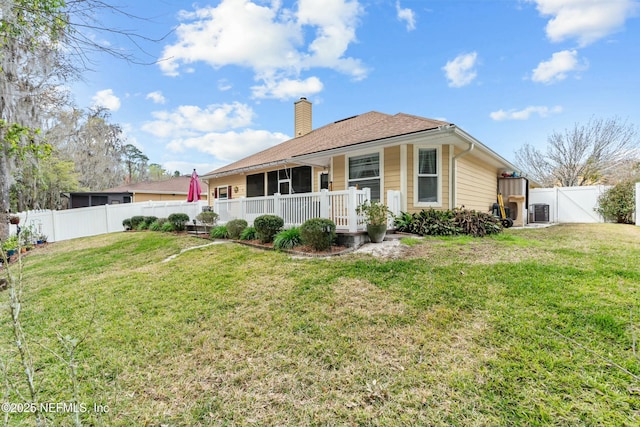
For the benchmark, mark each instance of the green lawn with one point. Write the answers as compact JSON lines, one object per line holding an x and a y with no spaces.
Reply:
{"x":531,"y":327}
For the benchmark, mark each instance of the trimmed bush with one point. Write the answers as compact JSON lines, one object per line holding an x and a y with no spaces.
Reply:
{"x":179,"y":221}
{"x":287,"y":239}
{"x":235,"y":228}
{"x":208,"y":218}
{"x":267,"y":226}
{"x":167,"y":227}
{"x":150,"y":219}
{"x":155,"y":226}
{"x":248,"y":233}
{"x":314,"y":233}
{"x":135,"y":221}
{"x":126,"y":223}
{"x":618,"y":203}
{"x":219,"y":232}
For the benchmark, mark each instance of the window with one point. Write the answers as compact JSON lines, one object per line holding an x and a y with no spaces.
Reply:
{"x":364,"y":172}
{"x":324,"y":181}
{"x":255,"y":185}
{"x":301,"y":179}
{"x":223,"y":193}
{"x":428,"y":178}
{"x":289,"y":181}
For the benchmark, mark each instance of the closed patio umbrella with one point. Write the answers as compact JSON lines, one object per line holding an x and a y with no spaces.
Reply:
{"x":194,"y":188}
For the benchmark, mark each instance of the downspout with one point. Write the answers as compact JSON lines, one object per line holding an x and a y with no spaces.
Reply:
{"x":454,"y":183}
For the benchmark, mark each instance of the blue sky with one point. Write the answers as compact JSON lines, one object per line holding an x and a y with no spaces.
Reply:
{"x":222,"y":83}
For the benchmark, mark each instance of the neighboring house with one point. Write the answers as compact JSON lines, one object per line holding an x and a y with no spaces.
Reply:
{"x":172,"y":189}
{"x":431,"y":163}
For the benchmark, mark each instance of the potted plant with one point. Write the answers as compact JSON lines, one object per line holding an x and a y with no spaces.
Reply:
{"x":10,"y":246}
{"x":376,"y":216}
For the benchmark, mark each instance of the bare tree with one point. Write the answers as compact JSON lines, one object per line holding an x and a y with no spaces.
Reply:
{"x":597,"y":152}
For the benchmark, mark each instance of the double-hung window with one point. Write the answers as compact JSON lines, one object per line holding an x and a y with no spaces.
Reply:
{"x":427,"y":164}
{"x":364,"y":172}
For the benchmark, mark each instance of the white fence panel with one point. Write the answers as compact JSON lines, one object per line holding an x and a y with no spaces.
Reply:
{"x":638,"y":203}
{"x":83,"y":222}
{"x":570,"y":204}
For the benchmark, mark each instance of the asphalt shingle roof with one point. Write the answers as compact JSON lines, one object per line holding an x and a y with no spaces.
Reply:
{"x":177,"y":185}
{"x":371,"y":126}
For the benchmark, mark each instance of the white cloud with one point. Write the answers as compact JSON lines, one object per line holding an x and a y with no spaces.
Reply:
{"x":190,"y":120}
{"x":585,"y":20}
{"x":228,"y":146}
{"x":283,"y":89}
{"x":268,"y":39}
{"x":461,"y":70}
{"x":407,"y":15}
{"x":557,"y":67}
{"x":212,"y":130}
{"x":106,"y":98}
{"x":156,"y":97}
{"x":525,"y":114}
{"x":224,"y":85}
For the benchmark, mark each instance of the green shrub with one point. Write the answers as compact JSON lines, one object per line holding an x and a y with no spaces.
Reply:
{"x":150,"y":219}
{"x":235,"y":227}
{"x":248,"y":233}
{"x":208,"y":218}
{"x":155,"y":226}
{"x":142,"y":226}
{"x":219,"y":232}
{"x":135,"y":221}
{"x":314,"y":233}
{"x":431,"y":222}
{"x":179,"y":221}
{"x":162,"y":221}
{"x":267,"y":226}
{"x":126,"y":223}
{"x":618,"y":203}
{"x":287,"y":239}
{"x":167,"y":227}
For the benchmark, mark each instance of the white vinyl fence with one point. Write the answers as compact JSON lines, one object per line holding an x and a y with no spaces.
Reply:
{"x":83,"y":222}
{"x":574,"y":204}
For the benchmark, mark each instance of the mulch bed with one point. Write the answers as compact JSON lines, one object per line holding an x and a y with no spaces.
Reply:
{"x":298,"y":250}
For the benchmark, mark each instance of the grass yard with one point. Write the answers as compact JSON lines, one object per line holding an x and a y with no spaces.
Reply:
{"x":531,"y":327}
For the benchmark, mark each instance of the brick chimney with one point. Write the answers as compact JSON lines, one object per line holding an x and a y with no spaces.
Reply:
{"x":302,"y":119}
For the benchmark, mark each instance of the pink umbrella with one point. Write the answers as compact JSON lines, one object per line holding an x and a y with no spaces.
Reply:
{"x":194,"y":188}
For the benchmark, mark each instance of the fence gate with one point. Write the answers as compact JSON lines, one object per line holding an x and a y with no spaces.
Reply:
{"x":570,"y":204}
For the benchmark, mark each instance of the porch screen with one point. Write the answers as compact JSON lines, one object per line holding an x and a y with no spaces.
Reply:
{"x":364,"y":172}
{"x":428,"y":175}
{"x":255,"y":185}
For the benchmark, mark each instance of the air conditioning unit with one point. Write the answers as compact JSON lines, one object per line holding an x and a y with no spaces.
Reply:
{"x":539,"y":213}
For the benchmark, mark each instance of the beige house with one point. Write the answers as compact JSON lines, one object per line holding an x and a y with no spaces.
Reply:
{"x":172,"y":189}
{"x":431,"y":163}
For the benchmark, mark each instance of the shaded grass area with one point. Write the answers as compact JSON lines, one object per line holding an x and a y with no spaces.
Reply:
{"x":462,"y":331}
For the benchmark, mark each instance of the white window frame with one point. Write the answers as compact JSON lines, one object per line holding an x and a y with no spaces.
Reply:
{"x":380,"y":154}
{"x":226,"y":190}
{"x":416,"y":175}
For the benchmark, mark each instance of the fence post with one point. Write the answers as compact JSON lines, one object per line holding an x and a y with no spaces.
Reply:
{"x":638,"y":203}
{"x":352,"y":216}
{"x":324,"y":203}
{"x":276,"y":205}
{"x":243,"y":208}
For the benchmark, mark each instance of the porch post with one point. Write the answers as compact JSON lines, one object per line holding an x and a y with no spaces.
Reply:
{"x":324,"y":203}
